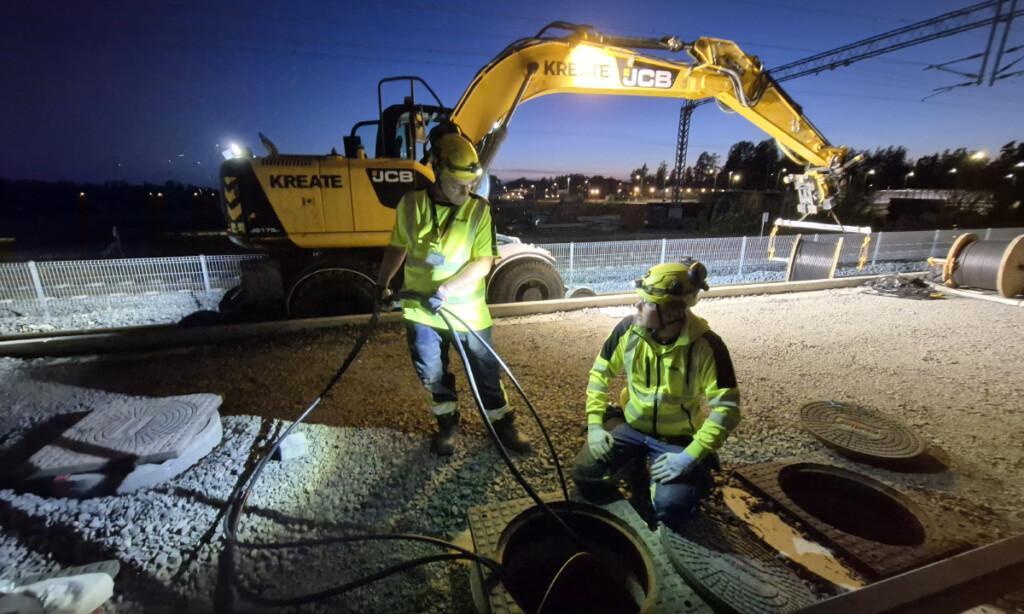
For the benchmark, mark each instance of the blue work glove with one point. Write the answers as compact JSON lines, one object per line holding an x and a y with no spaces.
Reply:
{"x":672,"y":465}
{"x":600,"y":442}
{"x":434,"y":302}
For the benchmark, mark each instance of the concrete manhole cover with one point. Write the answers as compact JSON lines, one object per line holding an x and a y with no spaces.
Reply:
{"x":130,"y":431}
{"x":860,"y":433}
{"x":730,"y":569}
{"x":877,"y":529}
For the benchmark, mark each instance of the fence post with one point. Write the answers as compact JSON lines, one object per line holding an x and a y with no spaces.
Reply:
{"x":743,"y":254}
{"x":572,"y":258}
{"x":878,"y":243}
{"x":935,"y":241}
{"x":38,"y":283}
{"x":663,"y":241}
{"x":206,"y":272}
{"x":988,"y":233}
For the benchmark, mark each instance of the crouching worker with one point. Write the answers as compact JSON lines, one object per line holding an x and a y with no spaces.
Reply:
{"x":672,"y":360}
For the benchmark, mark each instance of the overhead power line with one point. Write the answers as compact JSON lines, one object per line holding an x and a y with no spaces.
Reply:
{"x":983,"y":14}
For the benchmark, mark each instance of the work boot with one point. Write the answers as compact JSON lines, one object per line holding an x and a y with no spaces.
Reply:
{"x":509,"y":436}
{"x":447,"y":429}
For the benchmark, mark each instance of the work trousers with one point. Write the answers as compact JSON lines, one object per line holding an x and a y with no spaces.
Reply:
{"x":675,"y":502}
{"x":429,"y":348}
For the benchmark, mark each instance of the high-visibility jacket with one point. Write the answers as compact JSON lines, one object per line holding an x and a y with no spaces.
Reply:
{"x":439,"y":239}
{"x":666,"y":383}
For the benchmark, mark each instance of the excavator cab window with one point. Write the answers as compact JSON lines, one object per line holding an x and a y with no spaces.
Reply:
{"x":404,"y":130}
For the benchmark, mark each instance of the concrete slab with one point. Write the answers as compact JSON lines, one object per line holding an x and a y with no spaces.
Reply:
{"x":128,"y":430}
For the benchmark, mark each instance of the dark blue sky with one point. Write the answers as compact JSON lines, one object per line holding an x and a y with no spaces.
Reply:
{"x":151,"y":90}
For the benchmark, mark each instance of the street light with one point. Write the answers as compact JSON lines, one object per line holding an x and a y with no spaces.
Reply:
{"x":869,"y":173}
{"x":979,"y":155}
{"x":736,"y":178}
{"x":905,"y":177}
{"x":1019,"y":165}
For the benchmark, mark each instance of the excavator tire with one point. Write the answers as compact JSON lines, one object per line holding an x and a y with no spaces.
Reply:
{"x":525,"y":280}
{"x":331,"y":292}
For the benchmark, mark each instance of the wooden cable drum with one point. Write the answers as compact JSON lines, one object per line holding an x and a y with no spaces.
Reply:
{"x":989,"y":265}
{"x":813,"y":260}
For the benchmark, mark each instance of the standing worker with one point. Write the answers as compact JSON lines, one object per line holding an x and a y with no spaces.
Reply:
{"x":446,"y":238}
{"x":672,"y":360}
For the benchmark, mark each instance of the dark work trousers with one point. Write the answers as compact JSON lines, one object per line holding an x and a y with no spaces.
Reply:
{"x":429,"y":349}
{"x":674,"y":502}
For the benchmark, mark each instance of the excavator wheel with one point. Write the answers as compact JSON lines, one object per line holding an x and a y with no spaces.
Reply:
{"x":332,"y":291}
{"x":525,"y":280}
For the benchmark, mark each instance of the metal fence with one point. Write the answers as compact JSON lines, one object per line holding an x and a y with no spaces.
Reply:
{"x":76,"y":279}
{"x":611,"y":266}
{"x":606,"y":266}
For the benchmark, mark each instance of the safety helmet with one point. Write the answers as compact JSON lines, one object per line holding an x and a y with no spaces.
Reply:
{"x":453,"y":154}
{"x":673,"y":282}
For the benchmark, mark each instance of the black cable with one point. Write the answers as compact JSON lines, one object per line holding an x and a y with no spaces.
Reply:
{"x":522,"y":393}
{"x":238,"y":498}
{"x":554,"y":580}
{"x":494,"y":435}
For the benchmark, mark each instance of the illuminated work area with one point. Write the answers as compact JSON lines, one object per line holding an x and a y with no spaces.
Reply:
{"x":415,"y":371}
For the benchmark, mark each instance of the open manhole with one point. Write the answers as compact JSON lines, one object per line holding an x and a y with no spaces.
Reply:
{"x":860,"y":433}
{"x":515,"y":533}
{"x":877,"y":529}
{"x":546,"y":570}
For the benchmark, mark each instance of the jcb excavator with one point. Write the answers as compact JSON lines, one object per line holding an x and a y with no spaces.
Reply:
{"x":327,"y":218}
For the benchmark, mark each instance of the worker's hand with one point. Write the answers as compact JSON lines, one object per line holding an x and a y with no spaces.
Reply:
{"x":671,"y":466}
{"x":600,"y":442}
{"x":436,"y":300}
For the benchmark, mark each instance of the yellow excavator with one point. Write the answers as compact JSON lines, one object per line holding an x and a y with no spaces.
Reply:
{"x":325,"y":219}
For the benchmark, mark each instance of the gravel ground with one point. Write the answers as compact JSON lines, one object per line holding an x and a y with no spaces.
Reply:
{"x":950,"y":369}
{"x":104,"y":312}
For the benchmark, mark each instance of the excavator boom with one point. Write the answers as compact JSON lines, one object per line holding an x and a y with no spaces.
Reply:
{"x":588,"y":62}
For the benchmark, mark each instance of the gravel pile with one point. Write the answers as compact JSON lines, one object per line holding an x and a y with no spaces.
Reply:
{"x":945,"y":368}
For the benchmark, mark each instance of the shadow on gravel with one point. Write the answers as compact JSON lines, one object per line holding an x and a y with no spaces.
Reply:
{"x":13,"y":459}
{"x":68,"y":548}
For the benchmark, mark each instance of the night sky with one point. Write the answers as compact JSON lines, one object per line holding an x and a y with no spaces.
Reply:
{"x":151,"y":91}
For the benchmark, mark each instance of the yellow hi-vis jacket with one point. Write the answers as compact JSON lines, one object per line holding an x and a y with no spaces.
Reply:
{"x":666,"y":383}
{"x":439,"y":239}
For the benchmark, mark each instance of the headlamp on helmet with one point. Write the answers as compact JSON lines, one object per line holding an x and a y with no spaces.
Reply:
{"x":455,"y":156}
{"x":673,"y":282}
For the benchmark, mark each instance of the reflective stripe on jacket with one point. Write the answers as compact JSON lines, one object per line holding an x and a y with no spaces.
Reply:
{"x":666,"y":383}
{"x":461,"y":234}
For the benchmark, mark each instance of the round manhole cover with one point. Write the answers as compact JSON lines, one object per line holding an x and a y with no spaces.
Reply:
{"x":730,"y":569}
{"x":860,"y":433}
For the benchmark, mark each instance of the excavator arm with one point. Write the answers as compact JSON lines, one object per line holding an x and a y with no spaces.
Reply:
{"x":587,"y":62}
